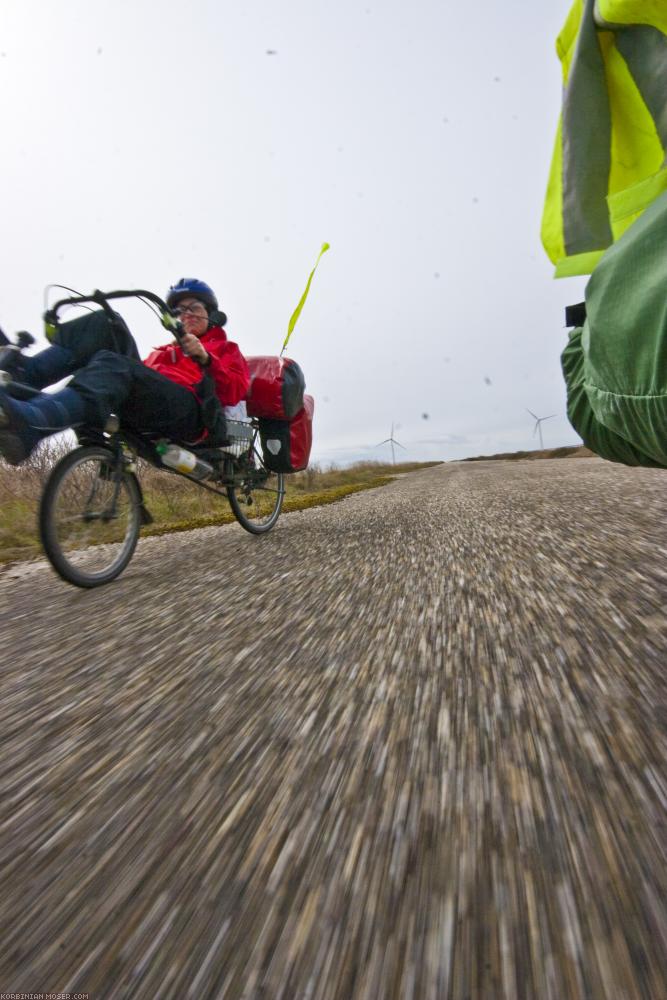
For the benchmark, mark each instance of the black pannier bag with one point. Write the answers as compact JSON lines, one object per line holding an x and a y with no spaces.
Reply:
{"x":286,"y":444}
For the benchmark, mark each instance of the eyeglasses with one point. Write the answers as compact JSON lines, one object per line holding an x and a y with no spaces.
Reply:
{"x":196,"y":309}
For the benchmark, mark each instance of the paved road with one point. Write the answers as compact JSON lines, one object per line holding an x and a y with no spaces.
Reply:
{"x":411,"y":745}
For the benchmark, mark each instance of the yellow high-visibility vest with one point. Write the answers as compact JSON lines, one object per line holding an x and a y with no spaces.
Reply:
{"x":610,"y":158}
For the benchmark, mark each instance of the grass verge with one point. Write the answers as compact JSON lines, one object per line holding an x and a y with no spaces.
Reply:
{"x":568,"y":451}
{"x":292,"y":502}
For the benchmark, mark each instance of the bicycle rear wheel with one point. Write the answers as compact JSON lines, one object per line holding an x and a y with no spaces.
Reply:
{"x":257,"y":497}
{"x":90,"y":517}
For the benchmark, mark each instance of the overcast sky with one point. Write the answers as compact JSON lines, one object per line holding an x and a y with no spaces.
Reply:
{"x":145,"y":141}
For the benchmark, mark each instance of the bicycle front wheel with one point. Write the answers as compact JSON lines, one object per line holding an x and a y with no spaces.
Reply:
{"x":90,"y":517}
{"x":257,"y":498}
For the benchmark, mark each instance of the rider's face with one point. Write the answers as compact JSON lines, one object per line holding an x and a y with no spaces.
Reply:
{"x":193,"y":316}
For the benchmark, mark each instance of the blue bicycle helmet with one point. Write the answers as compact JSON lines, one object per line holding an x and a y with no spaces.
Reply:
{"x":196,"y":289}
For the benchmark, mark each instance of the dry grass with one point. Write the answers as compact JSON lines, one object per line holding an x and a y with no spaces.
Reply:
{"x":20,"y":489}
{"x":175,"y":503}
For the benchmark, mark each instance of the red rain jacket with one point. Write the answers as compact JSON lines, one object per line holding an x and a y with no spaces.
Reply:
{"x":228,"y":366}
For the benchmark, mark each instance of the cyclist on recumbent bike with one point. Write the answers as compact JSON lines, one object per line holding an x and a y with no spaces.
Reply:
{"x":161,"y":395}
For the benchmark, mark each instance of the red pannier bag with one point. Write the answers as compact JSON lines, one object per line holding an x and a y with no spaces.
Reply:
{"x":276,"y":388}
{"x":286,"y":444}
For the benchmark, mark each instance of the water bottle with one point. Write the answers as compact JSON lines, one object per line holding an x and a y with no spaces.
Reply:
{"x":184,"y":461}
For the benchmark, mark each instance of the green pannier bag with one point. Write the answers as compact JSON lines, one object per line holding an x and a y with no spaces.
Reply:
{"x":615,"y":365}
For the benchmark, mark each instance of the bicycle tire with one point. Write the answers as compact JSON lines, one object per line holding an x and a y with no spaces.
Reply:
{"x":258,"y":499}
{"x":89,"y":520}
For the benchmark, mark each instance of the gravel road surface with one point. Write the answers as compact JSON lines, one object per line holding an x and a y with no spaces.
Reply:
{"x":410,"y":745}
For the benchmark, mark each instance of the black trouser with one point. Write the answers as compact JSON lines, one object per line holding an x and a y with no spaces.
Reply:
{"x":143,"y":399}
{"x":96,"y":331}
{"x":110,"y":378}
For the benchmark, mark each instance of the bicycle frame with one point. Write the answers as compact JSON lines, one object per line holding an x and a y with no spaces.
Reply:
{"x":128,"y":445}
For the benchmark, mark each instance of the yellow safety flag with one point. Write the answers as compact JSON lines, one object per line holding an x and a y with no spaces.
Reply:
{"x":297,"y":311}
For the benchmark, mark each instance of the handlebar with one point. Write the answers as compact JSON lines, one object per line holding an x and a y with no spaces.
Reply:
{"x":167,"y":318}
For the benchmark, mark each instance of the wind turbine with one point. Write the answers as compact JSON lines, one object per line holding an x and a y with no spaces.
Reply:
{"x":392,"y":440}
{"x":538,"y":425}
